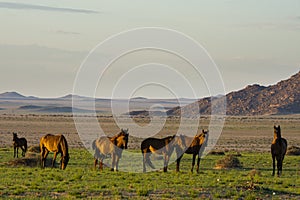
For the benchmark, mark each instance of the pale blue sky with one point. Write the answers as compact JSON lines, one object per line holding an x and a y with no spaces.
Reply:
{"x":43,"y":43}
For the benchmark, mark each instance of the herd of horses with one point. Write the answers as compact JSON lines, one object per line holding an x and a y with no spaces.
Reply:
{"x":113,"y":147}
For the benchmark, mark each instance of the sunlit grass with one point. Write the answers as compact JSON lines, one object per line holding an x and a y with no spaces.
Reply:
{"x":81,"y":180}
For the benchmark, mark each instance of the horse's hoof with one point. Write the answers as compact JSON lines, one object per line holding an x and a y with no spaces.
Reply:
{"x":112,"y":169}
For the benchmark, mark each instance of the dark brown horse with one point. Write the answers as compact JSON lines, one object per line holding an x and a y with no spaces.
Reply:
{"x":164,"y":146}
{"x":19,"y":142}
{"x":278,"y":150}
{"x":196,"y":147}
{"x":110,"y":146}
{"x":56,"y":144}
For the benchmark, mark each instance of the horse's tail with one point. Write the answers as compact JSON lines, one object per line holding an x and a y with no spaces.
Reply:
{"x":94,"y":145}
{"x":148,"y":161}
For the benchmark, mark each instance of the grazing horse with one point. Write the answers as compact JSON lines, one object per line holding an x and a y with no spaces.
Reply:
{"x":56,"y":144}
{"x":164,"y":146}
{"x":105,"y":146}
{"x":196,"y":147}
{"x":19,"y":142}
{"x":278,"y":150}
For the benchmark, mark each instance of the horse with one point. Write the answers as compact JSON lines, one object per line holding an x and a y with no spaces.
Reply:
{"x":56,"y":144}
{"x":196,"y":147}
{"x":19,"y":142}
{"x":105,"y":146}
{"x":164,"y":146}
{"x":278,"y":150}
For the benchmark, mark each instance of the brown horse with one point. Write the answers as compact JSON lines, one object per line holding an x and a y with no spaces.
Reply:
{"x":110,"y":146}
{"x":278,"y":150}
{"x":196,"y":147}
{"x":56,"y":144}
{"x":164,"y":146}
{"x":19,"y":142}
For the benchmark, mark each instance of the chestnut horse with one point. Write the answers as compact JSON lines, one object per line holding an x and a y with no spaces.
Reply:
{"x":105,"y":146}
{"x":164,"y":146}
{"x":56,"y":144}
{"x":19,"y":142}
{"x":278,"y":150}
{"x":196,"y":147}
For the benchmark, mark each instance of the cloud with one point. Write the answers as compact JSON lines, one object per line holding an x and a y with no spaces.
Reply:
{"x":67,"y":32}
{"x":22,"y":6}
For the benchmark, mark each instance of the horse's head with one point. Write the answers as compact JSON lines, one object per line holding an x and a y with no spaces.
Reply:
{"x":277,"y":131}
{"x":15,"y":136}
{"x":204,"y":136}
{"x":123,"y":139}
{"x":64,"y":161}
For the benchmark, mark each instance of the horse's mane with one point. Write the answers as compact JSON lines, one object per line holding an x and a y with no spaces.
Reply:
{"x":63,"y":141}
{"x":277,"y":133}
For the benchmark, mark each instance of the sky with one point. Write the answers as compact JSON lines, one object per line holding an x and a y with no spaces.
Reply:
{"x":44,"y":44}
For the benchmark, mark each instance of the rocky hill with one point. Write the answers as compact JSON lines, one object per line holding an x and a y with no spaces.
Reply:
{"x":281,"y":98}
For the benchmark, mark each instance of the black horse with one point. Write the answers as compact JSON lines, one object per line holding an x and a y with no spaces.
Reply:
{"x":278,"y":150}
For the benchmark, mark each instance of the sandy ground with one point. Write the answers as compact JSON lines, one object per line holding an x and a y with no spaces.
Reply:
{"x":238,"y":134}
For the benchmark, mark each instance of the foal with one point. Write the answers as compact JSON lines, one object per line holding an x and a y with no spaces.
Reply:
{"x":19,"y":142}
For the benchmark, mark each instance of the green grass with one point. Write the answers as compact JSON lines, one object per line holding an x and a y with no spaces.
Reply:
{"x":80,"y":180}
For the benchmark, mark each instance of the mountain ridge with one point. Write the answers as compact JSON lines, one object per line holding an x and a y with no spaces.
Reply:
{"x":280,"y":98}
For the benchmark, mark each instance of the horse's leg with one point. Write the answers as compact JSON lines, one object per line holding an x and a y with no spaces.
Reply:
{"x":101,"y":164}
{"x":54,"y":158}
{"x":278,"y":165}
{"x":193,"y":162}
{"x":178,"y":163}
{"x":166,"y":162}
{"x":198,"y":163}
{"x":95,"y":162}
{"x":44,"y":155}
{"x":144,"y":160}
{"x":117,"y":163}
{"x":23,"y":151}
{"x":273,"y":158}
{"x":113,"y":161}
{"x":15,"y":151}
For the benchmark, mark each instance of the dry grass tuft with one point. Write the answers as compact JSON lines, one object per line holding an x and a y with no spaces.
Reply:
{"x":34,"y":149}
{"x":31,"y":159}
{"x":217,"y":152}
{"x":293,"y":150}
{"x":228,"y":162}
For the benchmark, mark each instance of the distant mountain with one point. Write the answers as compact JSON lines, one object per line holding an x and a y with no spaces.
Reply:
{"x":11,"y":95}
{"x":281,"y":98}
{"x":65,"y":109}
{"x":30,"y":107}
{"x":71,"y":96}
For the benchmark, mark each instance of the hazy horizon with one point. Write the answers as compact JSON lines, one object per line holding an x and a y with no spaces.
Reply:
{"x":43,"y":44}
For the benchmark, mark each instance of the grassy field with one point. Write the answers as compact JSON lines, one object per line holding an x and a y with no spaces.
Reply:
{"x":250,"y":136}
{"x":80,"y":180}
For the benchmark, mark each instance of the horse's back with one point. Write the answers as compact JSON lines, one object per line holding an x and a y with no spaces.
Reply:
{"x":155,"y":143}
{"x":279,"y":146}
{"x":104,"y":145}
{"x":51,"y":142}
